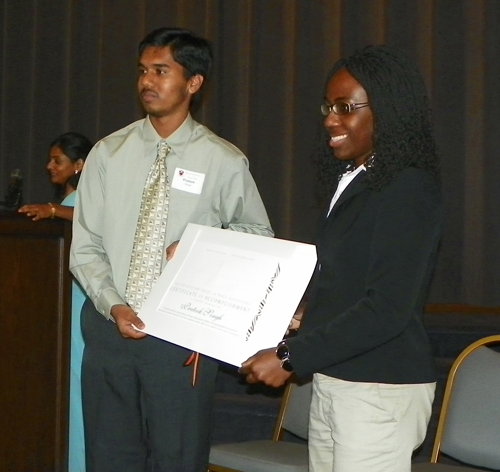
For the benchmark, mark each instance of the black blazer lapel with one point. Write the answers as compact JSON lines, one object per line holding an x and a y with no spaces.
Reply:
{"x":353,"y":200}
{"x":324,"y":213}
{"x":355,"y":187}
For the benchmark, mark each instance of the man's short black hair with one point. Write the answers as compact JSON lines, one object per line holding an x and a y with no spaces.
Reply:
{"x":192,"y":52}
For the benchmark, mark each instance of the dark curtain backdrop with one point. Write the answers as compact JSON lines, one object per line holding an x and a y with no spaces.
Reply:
{"x":71,"y":65}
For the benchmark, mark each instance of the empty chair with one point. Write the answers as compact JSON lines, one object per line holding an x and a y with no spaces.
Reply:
{"x":274,"y":454}
{"x":469,"y":423}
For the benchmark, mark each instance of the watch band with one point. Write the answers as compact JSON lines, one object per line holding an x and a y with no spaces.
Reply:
{"x":283,"y":354}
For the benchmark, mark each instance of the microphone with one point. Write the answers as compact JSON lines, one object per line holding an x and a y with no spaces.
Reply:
{"x":14,"y":195}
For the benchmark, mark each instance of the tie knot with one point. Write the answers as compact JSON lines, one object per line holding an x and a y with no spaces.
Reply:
{"x":163,"y":149}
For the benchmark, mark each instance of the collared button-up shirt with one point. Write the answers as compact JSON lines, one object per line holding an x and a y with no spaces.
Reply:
{"x":221,"y":194}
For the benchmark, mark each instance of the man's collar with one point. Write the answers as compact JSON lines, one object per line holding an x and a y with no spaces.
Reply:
{"x":177,"y":141}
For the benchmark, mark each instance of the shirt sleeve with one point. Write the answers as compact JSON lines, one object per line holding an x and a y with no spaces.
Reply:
{"x":88,"y":261}
{"x":69,"y":200}
{"x":241,"y":207}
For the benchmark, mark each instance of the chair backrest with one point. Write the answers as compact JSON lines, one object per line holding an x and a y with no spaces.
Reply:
{"x":294,"y":412}
{"x":469,"y":426}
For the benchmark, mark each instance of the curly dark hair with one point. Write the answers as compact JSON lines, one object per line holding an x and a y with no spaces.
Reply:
{"x":402,"y":123}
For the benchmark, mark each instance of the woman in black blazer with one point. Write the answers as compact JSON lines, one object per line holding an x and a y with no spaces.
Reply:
{"x":362,"y":335}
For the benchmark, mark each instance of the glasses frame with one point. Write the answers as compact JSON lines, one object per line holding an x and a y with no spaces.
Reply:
{"x":327,"y":109}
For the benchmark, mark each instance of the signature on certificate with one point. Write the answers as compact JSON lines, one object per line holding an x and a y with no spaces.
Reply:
{"x":205,"y":312}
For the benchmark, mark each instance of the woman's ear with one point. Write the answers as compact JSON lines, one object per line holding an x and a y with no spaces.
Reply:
{"x":78,"y":166}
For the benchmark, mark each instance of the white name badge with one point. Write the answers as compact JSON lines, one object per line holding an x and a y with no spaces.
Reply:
{"x":188,"y":181}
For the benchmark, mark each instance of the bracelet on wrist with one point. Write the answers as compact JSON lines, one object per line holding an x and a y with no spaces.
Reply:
{"x":52,"y":211}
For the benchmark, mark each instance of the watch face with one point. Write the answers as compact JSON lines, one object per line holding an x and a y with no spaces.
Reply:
{"x":282,"y":351}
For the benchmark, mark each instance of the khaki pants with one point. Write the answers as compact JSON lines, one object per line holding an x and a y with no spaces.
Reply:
{"x":366,"y":427}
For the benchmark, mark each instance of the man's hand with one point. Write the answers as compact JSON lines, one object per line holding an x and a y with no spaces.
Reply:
{"x":126,"y":319}
{"x":171,"y":250}
{"x":265,"y":367}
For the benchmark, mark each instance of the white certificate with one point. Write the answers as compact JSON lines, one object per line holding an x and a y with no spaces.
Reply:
{"x":228,"y":294}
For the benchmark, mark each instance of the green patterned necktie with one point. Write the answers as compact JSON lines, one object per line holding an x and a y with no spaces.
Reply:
{"x":147,"y":253}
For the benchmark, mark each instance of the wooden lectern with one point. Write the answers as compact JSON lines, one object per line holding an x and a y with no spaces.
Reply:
{"x":35,"y":310}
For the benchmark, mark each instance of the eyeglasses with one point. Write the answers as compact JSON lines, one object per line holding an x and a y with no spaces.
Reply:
{"x":341,"y":108}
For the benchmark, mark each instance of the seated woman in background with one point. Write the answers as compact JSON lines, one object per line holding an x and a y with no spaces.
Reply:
{"x":66,"y":158}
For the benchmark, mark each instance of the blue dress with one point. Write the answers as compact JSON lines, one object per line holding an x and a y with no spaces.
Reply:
{"x":76,"y":453}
